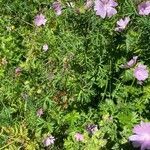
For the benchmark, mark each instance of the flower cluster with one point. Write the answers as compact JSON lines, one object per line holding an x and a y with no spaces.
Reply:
{"x":107,"y":8}
{"x":104,"y":9}
{"x":141,"y":72}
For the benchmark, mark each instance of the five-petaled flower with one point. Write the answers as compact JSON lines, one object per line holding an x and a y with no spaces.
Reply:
{"x":57,"y":8}
{"x":141,"y":72}
{"x":122,"y":23}
{"x":79,"y":137}
{"x":141,"y":137}
{"x":105,"y":8}
{"x":49,"y":141}
{"x":131,"y":63}
{"x":40,"y":20}
{"x":144,"y":8}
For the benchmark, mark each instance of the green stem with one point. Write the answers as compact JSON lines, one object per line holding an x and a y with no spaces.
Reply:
{"x":133,"y":82}
{"x":7,"y":145}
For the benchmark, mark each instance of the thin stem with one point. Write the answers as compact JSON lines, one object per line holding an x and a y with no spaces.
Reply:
{"x":105,"y":90}
{"x":132,"y":82}
{"x":7,"y":145}
{"x":132,"y":4}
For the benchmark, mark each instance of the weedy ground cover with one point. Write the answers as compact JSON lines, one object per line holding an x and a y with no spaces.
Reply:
{"x":74,"y":75}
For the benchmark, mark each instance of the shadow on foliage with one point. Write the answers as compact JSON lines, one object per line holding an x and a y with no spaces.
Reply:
{"x":144,"y":45}
{"x":61,"y":136}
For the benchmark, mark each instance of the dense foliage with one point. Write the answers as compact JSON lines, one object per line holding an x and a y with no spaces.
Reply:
{"x":78,"y":81}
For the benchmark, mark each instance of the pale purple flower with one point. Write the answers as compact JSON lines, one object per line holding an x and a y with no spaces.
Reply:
{"x":49,"y":141}
{"x":45,"y":47}
{"x":131,"y":63}
{"x":141,"y":72}
{"x":39,"y":20}
{"x":122,"y":23}
{"x":144,"y":8}
{"x":39,"y":112}
{"x":141,"y":137}
{"x":91,"y":128}
{"x":57,"y":7}
{"x":79,"y":137}
{"x":105,"y":8}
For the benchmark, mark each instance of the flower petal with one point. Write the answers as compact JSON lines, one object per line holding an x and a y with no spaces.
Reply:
{"x":111,"y":12}
{"x":100,"y":10}
{"x":112,"y":3}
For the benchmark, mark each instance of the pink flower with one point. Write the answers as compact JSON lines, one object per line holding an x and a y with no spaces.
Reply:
{"x":45,"y":47}
{"x":40,"y":112}
{"x":105,"y":8}
{"x":49,"y":141}
{"x":122,"y":23}
{"x":39,"y":20}
{"x":144,"y":8}
{"x":57,"y":8}
{"x":141,"y":137}
{"x":141,"y":73}
{"x":130,"y":63}
{"x":79,"y":137}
